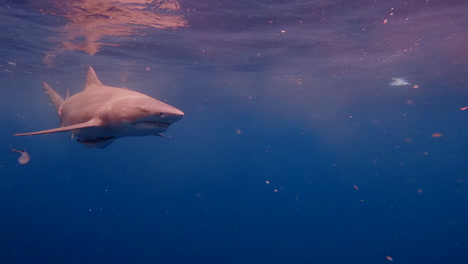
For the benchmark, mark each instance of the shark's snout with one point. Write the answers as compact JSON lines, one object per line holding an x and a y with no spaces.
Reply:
{"x":172,"y":116}
{"x":157,"y":117}
{"x":163,"y":119}
{"x":177,"y":112}
{"x":140,"y":109}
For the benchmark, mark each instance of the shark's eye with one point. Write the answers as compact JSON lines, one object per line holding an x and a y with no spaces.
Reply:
{"x":162,"y":115}
{"x":144,"y":109}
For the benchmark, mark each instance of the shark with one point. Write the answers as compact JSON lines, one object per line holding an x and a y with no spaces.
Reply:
{"x":100,"y":114}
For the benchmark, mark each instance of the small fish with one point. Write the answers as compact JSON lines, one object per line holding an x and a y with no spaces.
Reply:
{"x":24,"y":158}
{"x":399,"y":82}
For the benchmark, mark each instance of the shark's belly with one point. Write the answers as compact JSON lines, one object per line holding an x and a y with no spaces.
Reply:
{"x":91,"y":133}
{"x":101,"y":137}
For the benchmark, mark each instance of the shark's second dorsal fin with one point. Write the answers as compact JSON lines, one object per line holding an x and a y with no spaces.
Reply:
{"x":55,"y":98}
{"x":92,"y":79}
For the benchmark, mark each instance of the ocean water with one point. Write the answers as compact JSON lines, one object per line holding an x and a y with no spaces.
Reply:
{"x":322,"y":131}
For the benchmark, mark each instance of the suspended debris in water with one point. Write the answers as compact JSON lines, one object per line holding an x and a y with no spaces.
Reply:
{"x":24,"y":158}
{"x":399,"y":82}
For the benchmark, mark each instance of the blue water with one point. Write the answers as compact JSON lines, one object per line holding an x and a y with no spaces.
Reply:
{"x":296,"y":145}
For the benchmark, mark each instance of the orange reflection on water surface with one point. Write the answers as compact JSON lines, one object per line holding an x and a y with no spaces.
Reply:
{"x":89,"y":21}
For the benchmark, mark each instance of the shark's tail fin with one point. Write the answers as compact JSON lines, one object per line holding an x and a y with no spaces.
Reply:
{"x":55,"y":98}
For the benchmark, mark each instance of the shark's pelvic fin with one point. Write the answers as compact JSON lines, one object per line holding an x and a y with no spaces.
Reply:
{"x":92,"y":79}
{"x":55,"y":98}
{"x":90,"y":123}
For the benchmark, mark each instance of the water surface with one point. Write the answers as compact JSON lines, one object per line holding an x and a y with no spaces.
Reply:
{"x":314,"y":132}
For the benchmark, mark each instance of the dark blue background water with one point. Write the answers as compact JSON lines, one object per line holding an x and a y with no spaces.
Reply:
{"x":294,"y":148}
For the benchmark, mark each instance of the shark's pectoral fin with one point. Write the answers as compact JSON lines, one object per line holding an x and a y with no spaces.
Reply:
{"x":90,"y":123}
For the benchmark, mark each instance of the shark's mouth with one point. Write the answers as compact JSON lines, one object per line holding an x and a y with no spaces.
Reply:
{"x":152,"y":124}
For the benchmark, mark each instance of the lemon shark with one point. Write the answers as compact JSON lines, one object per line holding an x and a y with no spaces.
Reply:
{"x":101,"y":114}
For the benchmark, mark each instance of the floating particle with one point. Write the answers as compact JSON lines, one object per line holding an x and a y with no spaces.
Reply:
{"x":389,"y":258}
{"x":24,"y":158}
{"x":420,"y":191}
{"x":356,"y":187}
{"x":464,"y":108}
{"x":415,"y":86}
{"x":385,"y":21}
{"x":238,"y":131}
{"x":267,"y":182}
{"x":399,"y":82}
{"x":437,"y":135}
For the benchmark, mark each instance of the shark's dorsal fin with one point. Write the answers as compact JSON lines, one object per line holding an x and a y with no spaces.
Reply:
{"x":92,"y":79}
{"x":55,"y":98}
{"x":90,"y":123}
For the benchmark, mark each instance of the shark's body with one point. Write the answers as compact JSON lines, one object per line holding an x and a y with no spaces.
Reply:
{"x":100,"y":114}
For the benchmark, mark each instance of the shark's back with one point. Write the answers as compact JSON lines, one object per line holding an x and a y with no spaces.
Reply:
{"x":87,"y":104}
